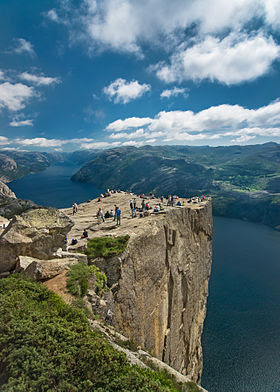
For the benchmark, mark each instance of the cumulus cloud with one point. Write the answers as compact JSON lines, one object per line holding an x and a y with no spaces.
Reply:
{"x":97,"y":145}
{"x":128,"y":123}
{"x":15,"y":96}
{"x":52,"y":15}
{"x":21,"y":123}
{"x":132,"y":135}
{"x":217,"y":122}
{"x":38,"y":80}
{"x":174,"y":92}
{"x":231,"y":60}
{"x":123,"y":91}
{"x":124,"y":25}
{"x":24,"y":46}
{"x":4,"y":141}
{"x":44,"y":142}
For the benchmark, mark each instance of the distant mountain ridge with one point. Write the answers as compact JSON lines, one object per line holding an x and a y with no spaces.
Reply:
{"x":243,"y":180}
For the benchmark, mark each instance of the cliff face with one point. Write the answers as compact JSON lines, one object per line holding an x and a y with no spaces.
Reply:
{"x":160,"y":299}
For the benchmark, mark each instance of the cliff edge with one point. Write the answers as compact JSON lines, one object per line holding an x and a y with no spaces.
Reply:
{"x":160,"y":282}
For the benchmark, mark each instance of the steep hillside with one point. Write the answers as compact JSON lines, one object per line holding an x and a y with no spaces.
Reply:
{"x":16,"y":164}
{"x":245,"y":176}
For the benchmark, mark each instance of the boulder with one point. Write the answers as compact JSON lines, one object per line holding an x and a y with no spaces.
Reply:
{"x":23,"y":262}
{"x":36,"y":233}
{"x":47,"y":269}
{"x":79,"y":256}
{"x":5,"y":191}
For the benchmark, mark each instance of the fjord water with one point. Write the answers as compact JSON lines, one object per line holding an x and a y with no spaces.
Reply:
{"x":52,"y":187}
{"x":241,"y":340}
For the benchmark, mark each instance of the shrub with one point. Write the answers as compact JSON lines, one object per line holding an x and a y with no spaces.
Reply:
{"x":78,"y":279}
{"x":106,"y":246}
{"x":47,"y":345}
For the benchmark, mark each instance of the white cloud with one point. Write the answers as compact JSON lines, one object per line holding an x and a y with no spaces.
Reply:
{"x":174,"y":92}
{"x":243,"y":139}
{"x":123,"y":135}
{"x":2,"y":75}
{"x":15,"y":96}
{"x":216,"y":122}
{"x":44,"y":142}
{"x":24,"y":46}
{"x":52,"y":15}
{"x":124,"y":25}
{"x":97,"y":145}
{"x":21,"y":123}
{"x":234,"y":59}
{"x":40,"y":142}
{"x":272,"y":13}
{"x":38,"y":80}
{"x":4,"y":141}
{"x":132,"y":122}
{"x":132,"y":143}
{"x":123,"y":91}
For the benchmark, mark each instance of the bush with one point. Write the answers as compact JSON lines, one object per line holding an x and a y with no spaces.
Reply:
{"x":46,"y":345}
{"x":78,"y":279}
{"x":106,"y":246}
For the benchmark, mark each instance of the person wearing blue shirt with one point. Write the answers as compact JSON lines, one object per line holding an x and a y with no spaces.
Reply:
{"x":118,"y":213}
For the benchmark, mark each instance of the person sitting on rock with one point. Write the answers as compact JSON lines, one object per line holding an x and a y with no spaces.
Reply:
{"x":85,"y":234}
{"x":107,"y":215}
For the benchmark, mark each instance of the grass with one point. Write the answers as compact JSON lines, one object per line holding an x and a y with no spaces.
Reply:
{"x":106,"y":246}
{"x":47,"y":345}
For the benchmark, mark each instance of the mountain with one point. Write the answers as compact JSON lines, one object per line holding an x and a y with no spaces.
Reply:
{"x":16,"y":164}
{"x":244,"y":181}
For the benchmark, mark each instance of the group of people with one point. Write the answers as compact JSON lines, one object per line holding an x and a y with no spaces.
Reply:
{"x":116,"y":215}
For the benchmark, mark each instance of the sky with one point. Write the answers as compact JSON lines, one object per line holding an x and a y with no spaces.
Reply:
{"x":86,"y":74}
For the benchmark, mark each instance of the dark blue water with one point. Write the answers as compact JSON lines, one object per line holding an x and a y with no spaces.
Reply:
{"x":241,"y":341}
{"x":52,"y":187}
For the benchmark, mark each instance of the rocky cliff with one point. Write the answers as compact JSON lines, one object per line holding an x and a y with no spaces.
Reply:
{"x":160,"y":299}
{"x":160,"y":282}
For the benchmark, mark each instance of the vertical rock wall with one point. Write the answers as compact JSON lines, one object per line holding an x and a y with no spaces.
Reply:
{"x":160,"y":297}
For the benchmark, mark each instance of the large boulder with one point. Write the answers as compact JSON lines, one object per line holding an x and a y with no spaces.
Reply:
{"x":48,"y":269}
{"x":36,"y":233}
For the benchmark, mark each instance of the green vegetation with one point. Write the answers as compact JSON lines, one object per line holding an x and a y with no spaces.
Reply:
{"x":106,"y":246}
{"x":79,"y":276}
{"x":236,"y":175}
{"x":47,"y":345}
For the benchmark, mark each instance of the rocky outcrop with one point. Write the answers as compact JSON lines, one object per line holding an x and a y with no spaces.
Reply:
{"x":5,"y":191}
{"x":160,"y":295}
{"x":10,"y":205}
{"x":36,"y":233}
{"x":159,"y":284}
{"x":47,"y":269}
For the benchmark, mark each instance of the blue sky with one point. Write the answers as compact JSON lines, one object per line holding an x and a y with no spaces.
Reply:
{"x":95,"y":74}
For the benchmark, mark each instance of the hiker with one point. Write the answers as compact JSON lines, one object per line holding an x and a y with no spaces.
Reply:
{"x":100,"y":215}
{"x":75,"y":208}
{"x":115,"y":215}
{"x":112,"y":213}
{"x":118,"y":214}
{"x":179,"y":203}
{"x":133,"y":212}
{"x":85,"y":234}
{"x":161,"y":199}
{"x":143,"y":205}
{"x":157,"y":208}
{"x":134,"y":203}
{"x":131,"y":204}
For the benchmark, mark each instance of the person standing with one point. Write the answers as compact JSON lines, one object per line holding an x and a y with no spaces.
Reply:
{"x":118,"y":214}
